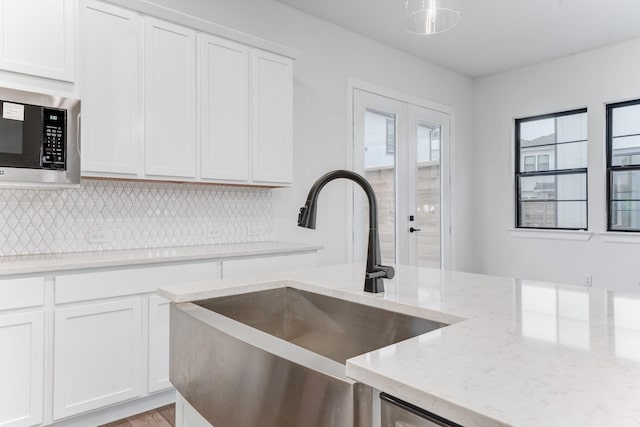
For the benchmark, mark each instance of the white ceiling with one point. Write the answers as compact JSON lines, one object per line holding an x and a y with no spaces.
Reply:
{"x":493,"y":35}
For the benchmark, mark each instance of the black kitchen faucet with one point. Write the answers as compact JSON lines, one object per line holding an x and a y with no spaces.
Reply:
{"x":307,"y":218}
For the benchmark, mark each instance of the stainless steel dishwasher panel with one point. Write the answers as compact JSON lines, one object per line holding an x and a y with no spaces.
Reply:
{"x":233,"y":383}
{"x":397,"y":413}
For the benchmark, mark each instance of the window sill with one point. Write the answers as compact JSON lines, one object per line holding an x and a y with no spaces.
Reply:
{"x":551,"y":234}
{"x":620,"y":237}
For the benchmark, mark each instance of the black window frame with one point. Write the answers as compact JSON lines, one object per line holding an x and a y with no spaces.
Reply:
{"x":610,"y":167}
{"x":556,"y":172}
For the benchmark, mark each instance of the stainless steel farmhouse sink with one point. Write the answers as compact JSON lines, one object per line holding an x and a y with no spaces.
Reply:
{"x":276,"y":358}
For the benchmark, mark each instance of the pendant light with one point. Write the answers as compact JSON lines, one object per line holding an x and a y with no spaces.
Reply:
{"x":430,"y":16}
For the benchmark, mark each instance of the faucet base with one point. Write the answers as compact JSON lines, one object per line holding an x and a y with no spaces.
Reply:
{"x":374,"y":285}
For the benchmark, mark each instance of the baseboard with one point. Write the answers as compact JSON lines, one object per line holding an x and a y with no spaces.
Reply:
{"x":120,"y":411}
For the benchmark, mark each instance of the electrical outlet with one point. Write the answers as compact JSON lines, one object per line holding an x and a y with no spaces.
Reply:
{"x":214,"y":232}
{"x":588,"y":280}
{"x":253,"y":230}
{"x":100,"y":236}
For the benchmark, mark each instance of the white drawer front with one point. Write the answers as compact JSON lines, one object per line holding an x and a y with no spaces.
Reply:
{"x":114,"y":283}
{"x":19,"y":293}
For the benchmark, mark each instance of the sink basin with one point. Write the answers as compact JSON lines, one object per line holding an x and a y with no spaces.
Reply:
{"x":277,"y":357}
{"x":331,"y":327}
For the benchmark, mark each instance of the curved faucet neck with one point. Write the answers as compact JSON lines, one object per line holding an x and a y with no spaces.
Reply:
{"x":312,"y":197}
{"x":375,"y":271}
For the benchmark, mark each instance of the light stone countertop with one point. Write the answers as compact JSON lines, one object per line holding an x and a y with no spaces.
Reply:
{"x":36,"y":264}
{"x":516,"y":352}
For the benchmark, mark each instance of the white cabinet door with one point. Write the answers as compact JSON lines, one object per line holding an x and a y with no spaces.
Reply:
{"x":224,"y":109}
{"x":21,"y":369}
{"x":272,"y":117}
{"x":170,"y":99}
{"x":158,"y":343}
{"x":97,"y":356}
{"x":110,"y":139}
{"x":37,"y":37}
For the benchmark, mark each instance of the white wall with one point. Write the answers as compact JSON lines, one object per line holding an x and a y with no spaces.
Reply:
{"x":588,"y":79}
{"x":330,"y":56}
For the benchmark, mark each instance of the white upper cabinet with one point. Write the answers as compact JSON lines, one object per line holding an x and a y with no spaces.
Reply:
{"x":163,"y":101}
{"x":224,"y":109}
{"x":110,"y":137}
{"x":272,"y":117}
{"x":37,"y":37}
{"x":170,"y":99}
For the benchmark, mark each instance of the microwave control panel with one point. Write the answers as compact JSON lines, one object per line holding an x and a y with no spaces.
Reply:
{"x":53,"y":146}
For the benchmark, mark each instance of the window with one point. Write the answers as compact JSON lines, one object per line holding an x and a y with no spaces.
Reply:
{"x":543,"y":162}
{"x":529,"y":163}
{"x":551,"y":171}
{"x":623,"y":166}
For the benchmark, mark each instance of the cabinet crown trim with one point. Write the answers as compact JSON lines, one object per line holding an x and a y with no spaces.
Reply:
{"x":199,"y":24}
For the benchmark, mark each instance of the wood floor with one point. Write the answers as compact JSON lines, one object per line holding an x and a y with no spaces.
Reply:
{"x":161,"y":417}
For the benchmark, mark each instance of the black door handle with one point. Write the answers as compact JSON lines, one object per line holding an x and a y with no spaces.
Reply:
{"x":413,"y":230}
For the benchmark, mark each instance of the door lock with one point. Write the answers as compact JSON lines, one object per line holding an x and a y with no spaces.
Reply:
{"x":413,"y":230}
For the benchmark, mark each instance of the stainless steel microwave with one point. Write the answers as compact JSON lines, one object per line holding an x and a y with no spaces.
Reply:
{"x":39,"y":140}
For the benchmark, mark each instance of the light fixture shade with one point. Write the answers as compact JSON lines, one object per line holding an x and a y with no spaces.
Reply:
{"x":430,"y":16}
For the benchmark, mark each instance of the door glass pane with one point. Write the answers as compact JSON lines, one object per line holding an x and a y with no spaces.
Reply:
{"x":428,"y":195}
{"x":380,"y":170}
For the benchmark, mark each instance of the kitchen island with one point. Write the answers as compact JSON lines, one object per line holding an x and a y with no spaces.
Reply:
{"x":515,"y":352}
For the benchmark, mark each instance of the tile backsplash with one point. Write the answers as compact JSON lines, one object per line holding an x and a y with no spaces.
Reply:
{"x":105,"y":215}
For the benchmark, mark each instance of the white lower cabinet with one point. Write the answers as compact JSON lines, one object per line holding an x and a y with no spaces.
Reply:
{"x":21,"y":369}
{"x":97,"y":355}
{"x":158,"y":344}
{"x":75,"y":344}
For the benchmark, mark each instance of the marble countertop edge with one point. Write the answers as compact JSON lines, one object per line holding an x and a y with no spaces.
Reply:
{"x":51,"y":263}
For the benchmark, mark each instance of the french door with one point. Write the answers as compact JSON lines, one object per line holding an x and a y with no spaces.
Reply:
{"x":402,"y":148}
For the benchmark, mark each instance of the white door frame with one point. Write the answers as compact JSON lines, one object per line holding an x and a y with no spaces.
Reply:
{"x":447,"y":170}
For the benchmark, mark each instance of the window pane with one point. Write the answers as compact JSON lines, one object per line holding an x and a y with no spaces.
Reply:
{"x":626,"y":150}
{"x":428,"y":142}
{"x":554,"y":187}
{"x":572,"y":127}
{"x":553,"y":214}
{"x":625,"y":215}
{"x":377,"y":138}
{"x":435,"y":144}
{"x":572,"y":156}
{"x":380,"y":139}
{"x":562,"y":156}
{"x":626,"y":120}
{"x":537,"y":132}
{"x":428,"y":200}
{"x":625,"y":185}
